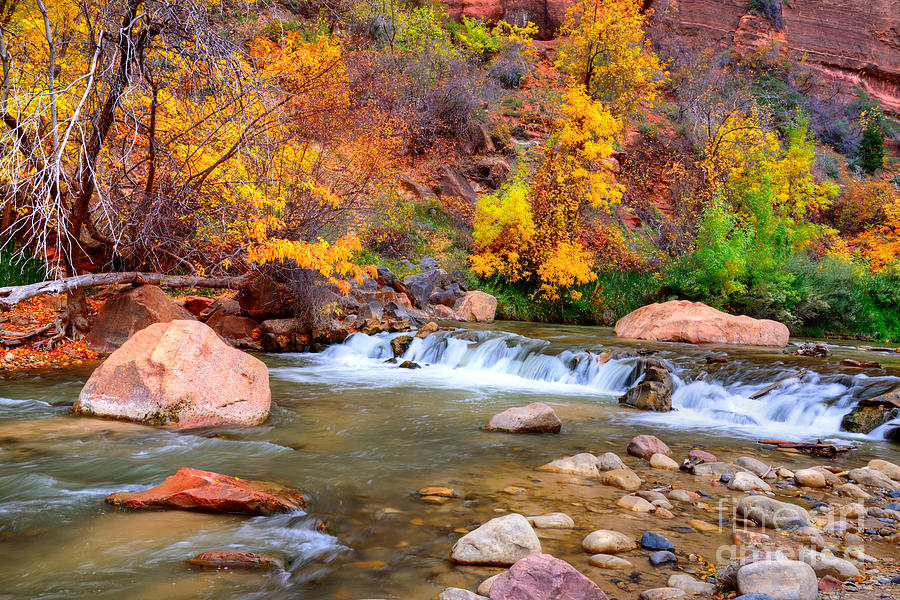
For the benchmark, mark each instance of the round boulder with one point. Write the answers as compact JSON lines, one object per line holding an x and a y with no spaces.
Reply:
{"x":697,"y":323}
{"x":543,"y":577}
{"x":178,"y":374}
{"x":537,"y":417}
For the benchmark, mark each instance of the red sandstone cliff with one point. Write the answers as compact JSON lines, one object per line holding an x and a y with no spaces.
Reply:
{"x":849,"y":41}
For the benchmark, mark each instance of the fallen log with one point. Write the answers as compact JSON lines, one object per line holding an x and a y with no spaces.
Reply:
{"x":817,"y":448}
{"x":777,"y":384}
{"x":12,"y":295}
{"x":861,"y":364}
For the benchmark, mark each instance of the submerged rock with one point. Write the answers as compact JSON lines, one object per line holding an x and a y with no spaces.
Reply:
{"x":585,"y":464}
{"x":654,"y":541}
{"x":697,"y":323}
{"x":178,"y":374}
{"x":623,"y":479}
{"x":537,"y":417}
{"x":221,"y":559}
{"x":607,"y":541}
{"x":543,"y":577}
{"x":552,"y":521}
{"x":501,"y":541}
{"x":128,"y":312}
{"x":193,"y":489}
{"x":769,"y":512}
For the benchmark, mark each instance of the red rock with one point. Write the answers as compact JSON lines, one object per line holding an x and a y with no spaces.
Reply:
{"x":829,"y":583}
{"x":239,"y":332}
{"x":697,"y":323}
{"x":196,"y":304}
{"x":192,"y":489}
{"x":646,"y":446}
{"x":543,"y":577}
{"x":702,"y":456}
{"x":454,"y":184}
{"x":178,"y":374}
{"x":221,"y":559}
{"x":264,"y":298}
{"x":128,"y":312}
{"x":536,"y":417}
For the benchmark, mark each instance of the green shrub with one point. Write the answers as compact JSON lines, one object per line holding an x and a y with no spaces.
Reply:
{"x":18,"y":270}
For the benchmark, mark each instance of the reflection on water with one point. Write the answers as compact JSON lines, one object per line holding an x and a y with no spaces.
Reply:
{"x":358,"y":436}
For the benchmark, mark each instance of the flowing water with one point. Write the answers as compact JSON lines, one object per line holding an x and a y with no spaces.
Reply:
{"x":358,"y":436}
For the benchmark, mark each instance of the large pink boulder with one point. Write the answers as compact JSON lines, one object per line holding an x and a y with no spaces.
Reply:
{"x":543,"y":577}
{"x":178,"y":374}
{"x":193,"y":489}
{"x":477,"y":306}
{"x":697,"y":323}
{"x":128,"y":312}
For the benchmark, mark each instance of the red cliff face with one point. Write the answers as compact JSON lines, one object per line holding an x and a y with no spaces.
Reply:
{"x":847,"y":40}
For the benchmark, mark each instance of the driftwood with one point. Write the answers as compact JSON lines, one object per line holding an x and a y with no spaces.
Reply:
{"x":17,"y":338}
{"x":818,"y":448}
{"x":12,"y":295}
{"x":777,"y":384}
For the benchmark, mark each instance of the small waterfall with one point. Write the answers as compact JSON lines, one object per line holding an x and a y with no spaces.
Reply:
{"x":798,"y":408}
{"x":491,"y":352}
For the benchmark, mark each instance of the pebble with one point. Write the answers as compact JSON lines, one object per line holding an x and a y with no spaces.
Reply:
{"x":654,"y":541}
{"x":459,"y":594}
{"x":812,"y":478}
{"x":679,"y":496}
{"x":744,"y":482}
{"x":851,"y":490}
{"x":606,"y":541}
{"x":623,"y":479}
{"x":484,"y":588}
{"x":608,"y":561}
{"x":663,"y":557}
{"x":702,"y":525}
{"x":685,"y":582}
{"x":635,"y":504}
{"x":661,"y":461}
{"x":753,"y":465}
{"x":666,"y":593}
{"x":552,"y":521}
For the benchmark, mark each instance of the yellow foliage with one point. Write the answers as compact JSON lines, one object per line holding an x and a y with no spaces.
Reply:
{"x":532,"y":232}
{"x":605,"y":50}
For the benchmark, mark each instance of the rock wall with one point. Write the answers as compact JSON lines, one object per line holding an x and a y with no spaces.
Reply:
{"x":851,"y":42}
{"x":857,"y":43}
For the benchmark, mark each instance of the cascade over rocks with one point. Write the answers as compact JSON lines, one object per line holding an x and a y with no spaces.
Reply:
{"x":697,"y":323}
{"x":178,"y":374}
{"x":193,"y":489}
{"x":128,"y":312}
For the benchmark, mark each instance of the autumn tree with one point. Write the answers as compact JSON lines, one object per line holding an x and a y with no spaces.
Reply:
{"x":136,"y":136}
{"x":605,"y":50}
{"x":530,"y":231}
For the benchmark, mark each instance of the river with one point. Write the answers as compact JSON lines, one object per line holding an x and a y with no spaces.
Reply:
{"x":358,"y":436}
